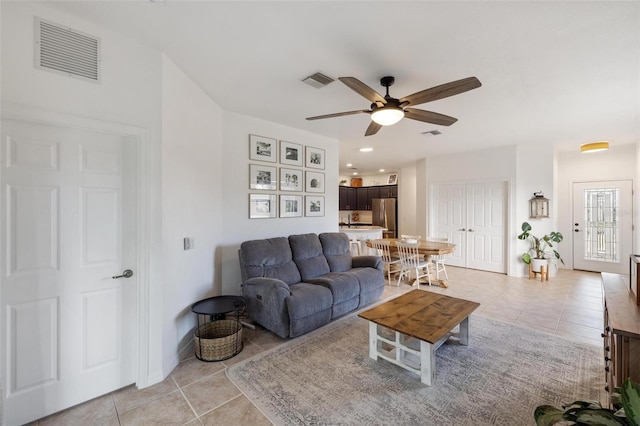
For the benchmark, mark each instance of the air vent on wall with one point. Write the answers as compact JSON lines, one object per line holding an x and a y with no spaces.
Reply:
{"x":318,"y":80}
{"x":66,"y":51}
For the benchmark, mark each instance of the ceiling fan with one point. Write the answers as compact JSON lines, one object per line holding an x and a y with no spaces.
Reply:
{"x":386,"y":110}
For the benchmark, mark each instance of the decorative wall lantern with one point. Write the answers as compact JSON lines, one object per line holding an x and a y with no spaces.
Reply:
{"x":538,"y":206}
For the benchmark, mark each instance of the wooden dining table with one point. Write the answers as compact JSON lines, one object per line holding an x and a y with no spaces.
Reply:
{"x":427,"y":248}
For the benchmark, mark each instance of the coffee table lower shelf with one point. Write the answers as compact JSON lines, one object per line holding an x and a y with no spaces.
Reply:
{"x":417,"y":356}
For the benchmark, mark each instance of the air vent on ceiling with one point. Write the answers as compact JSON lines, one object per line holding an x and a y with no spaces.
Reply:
{"x":66,"y":51}
{"x":432,"y":133}
{"x":318,"y":80}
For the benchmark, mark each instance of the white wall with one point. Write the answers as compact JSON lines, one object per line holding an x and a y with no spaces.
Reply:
{"x":191,"y":207}
{"x":619,"y":163}
{"x":237,"y":227}
{"x":407,"y":201}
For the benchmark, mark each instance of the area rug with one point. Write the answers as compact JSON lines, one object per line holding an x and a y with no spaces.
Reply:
{"x":327,"y":378}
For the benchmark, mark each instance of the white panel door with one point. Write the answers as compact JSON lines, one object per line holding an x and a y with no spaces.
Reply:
{"x":450,"y":218}
{"x":602,"y":225}
{"x":486,"y":213}
{"x":472,"y":216}
{"x":69,"y":226}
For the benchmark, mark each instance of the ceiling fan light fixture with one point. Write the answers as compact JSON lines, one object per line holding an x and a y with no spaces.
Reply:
{"x":594,"y":147}
{"x":387,"y":116}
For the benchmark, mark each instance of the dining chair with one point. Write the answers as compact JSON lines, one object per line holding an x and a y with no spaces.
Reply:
{"x":405,"y":237}
{"x":439,"y":259}
{"x":354,"y":244}
{"x":411,"y":259}
{"x":391,"y":263}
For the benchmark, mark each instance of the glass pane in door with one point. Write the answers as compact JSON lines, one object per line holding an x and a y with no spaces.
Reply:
{"x":601,"y":230}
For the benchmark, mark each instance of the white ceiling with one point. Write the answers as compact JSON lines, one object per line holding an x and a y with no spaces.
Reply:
{"x":560,"y":73}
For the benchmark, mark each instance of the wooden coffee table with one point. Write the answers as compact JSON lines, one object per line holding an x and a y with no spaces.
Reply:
{"x":419,"y":322}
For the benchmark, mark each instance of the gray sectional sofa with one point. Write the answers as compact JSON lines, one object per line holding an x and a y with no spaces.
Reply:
{"x":297,"y":284}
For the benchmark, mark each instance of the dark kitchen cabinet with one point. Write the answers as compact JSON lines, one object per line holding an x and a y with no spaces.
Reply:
{"x":361,"y":198}
{"x":347,"y":198}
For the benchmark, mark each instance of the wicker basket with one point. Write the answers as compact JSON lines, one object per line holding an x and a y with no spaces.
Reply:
{"x":218,"y":340}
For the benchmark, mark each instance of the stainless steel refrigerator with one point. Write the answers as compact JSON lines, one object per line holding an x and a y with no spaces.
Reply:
{"x":385,"y":215}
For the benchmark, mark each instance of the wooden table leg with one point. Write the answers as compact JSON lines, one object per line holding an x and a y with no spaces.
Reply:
{"x":464,"y":332}
{"x":427,"y":363}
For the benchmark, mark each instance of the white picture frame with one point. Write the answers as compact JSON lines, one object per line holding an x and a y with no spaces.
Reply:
{"x":291,"y":206}
{"x":263,"y":177}
{"x":262,"y":206}
{"x":314,"y":158}
{"x":314,"y":205}
{"x":291,"y":180}
{"x":314,"y":182}
{"x":262,"y":148}
{"x":291,"y":153}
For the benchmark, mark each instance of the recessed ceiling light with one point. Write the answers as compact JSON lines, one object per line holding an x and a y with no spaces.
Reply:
{"x":355,"y":173}
{"x":349,"y":165}
{"x":366,"y":149}
{"x":381,"y":170}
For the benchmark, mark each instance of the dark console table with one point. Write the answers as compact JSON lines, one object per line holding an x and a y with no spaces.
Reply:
{"x":218,"y":335}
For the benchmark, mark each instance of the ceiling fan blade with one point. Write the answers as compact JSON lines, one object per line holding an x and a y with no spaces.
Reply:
{"x":429,"y":117}
{"x":442,"y":91}
{"x":363,"y":90}
{"x":372,"y":129}
{"x":339,"y":114}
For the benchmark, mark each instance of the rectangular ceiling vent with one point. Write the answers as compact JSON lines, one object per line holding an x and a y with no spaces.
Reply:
{"x":66,"y":51}
{"x":318,"y":80}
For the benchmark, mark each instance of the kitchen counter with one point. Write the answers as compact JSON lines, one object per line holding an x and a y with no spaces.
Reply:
{"x":363,"y":228}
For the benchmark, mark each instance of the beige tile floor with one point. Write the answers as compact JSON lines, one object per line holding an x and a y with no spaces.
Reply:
{"x":199,"y":393}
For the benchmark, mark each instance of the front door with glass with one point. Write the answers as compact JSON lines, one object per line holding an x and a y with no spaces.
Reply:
{"x":602,"y":225}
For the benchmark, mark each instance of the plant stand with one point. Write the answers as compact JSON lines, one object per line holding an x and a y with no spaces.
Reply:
{"x":544,"y":273}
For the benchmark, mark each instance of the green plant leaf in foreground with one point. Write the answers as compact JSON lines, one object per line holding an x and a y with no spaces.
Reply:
{"x":631,"y":401}
{"x":547,"y":415}
{"x":602,"y":417}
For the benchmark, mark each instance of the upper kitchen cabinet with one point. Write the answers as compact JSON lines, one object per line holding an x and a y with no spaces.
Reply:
{"x":347,"y":198}
{"x":361,"y":198}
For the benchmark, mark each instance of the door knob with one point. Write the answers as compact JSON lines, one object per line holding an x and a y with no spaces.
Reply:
{"x":576,"y":230}
{"x":471,"y":230}
{"x":127,"y":273}
{"x":463,"y":229}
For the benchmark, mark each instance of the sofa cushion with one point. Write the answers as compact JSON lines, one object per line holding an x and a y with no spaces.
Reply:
{"x":308,"y":255}
{"x":307,"y":299}
{"x":271,"y":258}
{"x":335,"y":246}
{"x":343,"y":286}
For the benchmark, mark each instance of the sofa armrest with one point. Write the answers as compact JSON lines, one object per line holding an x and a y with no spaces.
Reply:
{"x":367,"y":262}
{"x":266,"y":300}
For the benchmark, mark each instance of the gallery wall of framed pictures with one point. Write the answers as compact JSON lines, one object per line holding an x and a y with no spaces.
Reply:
{"x":285,"y":179}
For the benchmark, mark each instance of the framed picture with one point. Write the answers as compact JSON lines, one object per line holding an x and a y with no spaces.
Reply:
{"x":262,"y":177}
{"x":291,"y":180}
{"x":314,"y":158}
{"x":314,"y":181}
{"x":262,"y":206}
{"x":290,"y":153}
{"x":314,"y":205}
{"x":393,"y":179}
{"x":262,"y":149}
{"x":291,"y":205}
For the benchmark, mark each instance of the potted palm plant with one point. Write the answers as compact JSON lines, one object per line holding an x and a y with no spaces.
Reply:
{"x":542,"y":248}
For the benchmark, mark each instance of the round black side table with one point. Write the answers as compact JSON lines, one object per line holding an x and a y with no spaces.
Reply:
{"x":218,"y":335}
